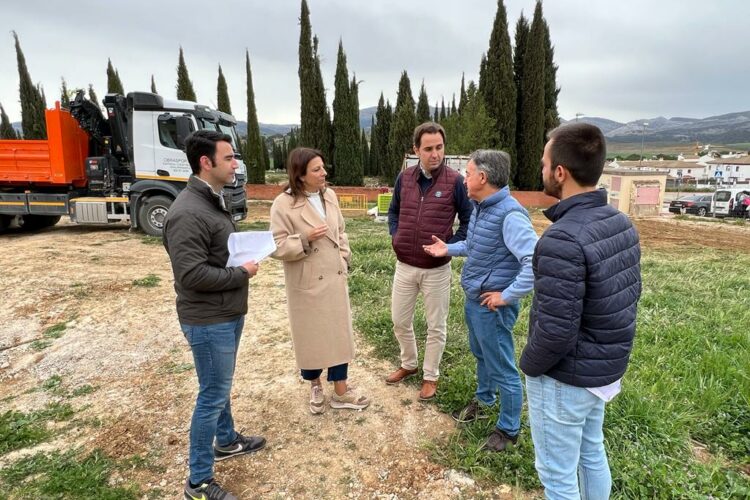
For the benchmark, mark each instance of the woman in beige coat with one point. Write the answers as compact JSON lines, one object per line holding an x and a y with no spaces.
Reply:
{"x":309,"y":232}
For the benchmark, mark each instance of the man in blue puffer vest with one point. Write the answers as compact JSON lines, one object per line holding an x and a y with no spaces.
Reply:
{"x":497,"y":273}
{"x":582,"y":324}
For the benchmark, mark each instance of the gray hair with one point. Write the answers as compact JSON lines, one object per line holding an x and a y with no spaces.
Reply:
{"x":494,"y":163}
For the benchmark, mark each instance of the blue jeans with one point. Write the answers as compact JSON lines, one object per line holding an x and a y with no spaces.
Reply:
{"x":566,"y":427}
{"x":491,"y":342}
{"x":214,"y":354}
{"x":335,"y":373}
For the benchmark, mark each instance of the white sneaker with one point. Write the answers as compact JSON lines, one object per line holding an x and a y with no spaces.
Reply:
{"x":317,"y":400}
{"x":349,"y":400}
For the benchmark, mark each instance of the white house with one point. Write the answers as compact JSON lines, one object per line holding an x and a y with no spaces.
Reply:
{"x":730,"y":170}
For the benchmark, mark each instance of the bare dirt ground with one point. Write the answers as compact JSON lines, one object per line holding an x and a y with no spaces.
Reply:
{"x":124,"y":340}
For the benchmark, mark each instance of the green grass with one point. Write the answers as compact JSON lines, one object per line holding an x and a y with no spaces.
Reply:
{"x":22,"y":430}
{"x":149,"y":281}
{"x":253,"y":226}
{"x":687,"y":382}
{"x":64,"y":475}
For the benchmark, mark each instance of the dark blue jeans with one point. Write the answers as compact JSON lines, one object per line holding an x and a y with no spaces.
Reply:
{"x":214,"y":354}
{"x":335,"y":373}
{"x":491,"y":342}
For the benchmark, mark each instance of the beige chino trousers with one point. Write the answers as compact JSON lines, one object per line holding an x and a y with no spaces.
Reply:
{"x":435,"y":285}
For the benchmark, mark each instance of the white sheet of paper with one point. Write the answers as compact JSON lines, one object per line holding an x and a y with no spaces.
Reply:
{"x":249,"y":245}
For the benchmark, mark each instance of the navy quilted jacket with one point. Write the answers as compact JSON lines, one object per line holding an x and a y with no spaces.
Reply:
{"x":587,"y":282}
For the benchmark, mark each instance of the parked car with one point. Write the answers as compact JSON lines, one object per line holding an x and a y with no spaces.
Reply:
{"x":728,"y":202}
{"x":698,"y":204}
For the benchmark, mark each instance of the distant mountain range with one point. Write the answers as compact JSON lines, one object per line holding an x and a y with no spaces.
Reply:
{"x":726,"y":129}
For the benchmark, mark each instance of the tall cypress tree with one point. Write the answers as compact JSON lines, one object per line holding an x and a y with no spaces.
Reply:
{"x":402,"y":129}
{"x":323,"y":131}
{"x":436,"y":116}
{"x":379,"y":138}
{"x":532,"y":124}
{"x":454,"y":110}
{"x":306,"y":78}
{"x":472,"y":128}
{"x":92,"y":95}
{"x":222,"y":94}
{"x":32,"y":103}
{"x":423,"y":107}
{"x":266,"y":156}
{"x":358,"y":166}
{"x":6,"y":129}
{"x":347,"y":159}
{"x":114,"y":84}
{"x":443,"y":115}
{"x":462,"y":97}
{"x":551,"y":90}
{"x":185,"y":91}
{"x":153,"y":85}
{"x":365,"y":148}
{"x":256,"y":170}
{"x":498,"y":87}
{"x":482,"y":74}
{"x":522,"y":35}
{"x":64,"y":95}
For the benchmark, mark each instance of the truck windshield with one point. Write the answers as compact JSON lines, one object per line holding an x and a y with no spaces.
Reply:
{"x":224,"y":128}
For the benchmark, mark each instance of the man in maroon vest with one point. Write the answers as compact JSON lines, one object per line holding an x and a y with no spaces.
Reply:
{"x":426,"y":199}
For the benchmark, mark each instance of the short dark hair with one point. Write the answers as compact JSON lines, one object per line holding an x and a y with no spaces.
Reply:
{"x":203,"y":143}
{"x":427,"y":128}
{"x":296,"y":168}
{"x":581,"y":149}
{"x":494,"y":163}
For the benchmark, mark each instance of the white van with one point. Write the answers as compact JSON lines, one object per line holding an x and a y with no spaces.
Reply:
{"x":728,"y":202}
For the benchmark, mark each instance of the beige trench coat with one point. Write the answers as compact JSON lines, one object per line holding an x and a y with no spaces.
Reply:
{"x":316,"y":280}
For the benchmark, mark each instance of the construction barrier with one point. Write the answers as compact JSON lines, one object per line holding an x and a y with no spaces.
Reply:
{"x":352,"y":205}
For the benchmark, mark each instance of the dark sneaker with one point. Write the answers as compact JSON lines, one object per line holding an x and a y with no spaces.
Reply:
{"x":207,"y":491}
{"x":240,"y":446}
{"x":471,"y":412}
{"x":499,"y":441}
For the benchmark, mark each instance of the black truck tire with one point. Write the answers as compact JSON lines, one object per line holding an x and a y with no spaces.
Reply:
{"x":151,"y":214}
{"x":5,"y":221}
{"x":33,"y":222}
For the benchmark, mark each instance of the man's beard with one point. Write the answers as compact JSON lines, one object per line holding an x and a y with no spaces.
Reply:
{"x":552,"y":187}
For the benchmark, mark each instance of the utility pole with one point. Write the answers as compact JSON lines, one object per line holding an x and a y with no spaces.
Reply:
{"x":643,"y":131}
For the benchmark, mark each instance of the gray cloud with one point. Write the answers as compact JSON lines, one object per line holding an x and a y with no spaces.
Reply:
{"x":620,"y":60}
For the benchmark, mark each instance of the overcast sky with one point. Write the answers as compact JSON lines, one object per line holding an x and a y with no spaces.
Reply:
{"x":618,"y":60}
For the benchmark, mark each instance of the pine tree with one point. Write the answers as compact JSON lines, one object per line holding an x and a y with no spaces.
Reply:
{"x":522,"y":35}
{"x":551,"y":90}
{"x":347,"y":160}
{"x":6,"y":129}
{"x":222,"y":94}
{"x":33,"y":104}
{"x":532,"y":124}
{"x":402,"y":129}
{"x":153,"y":85}
{"x":423,"y":106}
{"x":64,"y":95}
{"x":462,"y":97}
{"x":443,"y":115}
{"x":114,"y":84}
{"x":256,"y":171}
{"x":498,"y":87}
{"x":185,"y":91}
{"x":365,"y":148}
{"x":472,"y":128}
{"x":92,"y":95}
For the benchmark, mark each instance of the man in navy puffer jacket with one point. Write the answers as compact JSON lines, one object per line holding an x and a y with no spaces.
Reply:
{"x":587,"y":282}
{"x":497,"y":273}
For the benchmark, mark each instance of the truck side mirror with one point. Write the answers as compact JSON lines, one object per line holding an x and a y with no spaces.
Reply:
{"x":184,"y":127}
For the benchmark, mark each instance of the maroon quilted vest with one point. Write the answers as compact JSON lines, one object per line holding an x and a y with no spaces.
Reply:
{"x":423,"y":214}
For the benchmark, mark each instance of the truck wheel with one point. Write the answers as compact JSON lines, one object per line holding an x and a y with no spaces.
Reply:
{"x":151,"y":214}
{"x":34,"y":222}
{"x":5,"y":221}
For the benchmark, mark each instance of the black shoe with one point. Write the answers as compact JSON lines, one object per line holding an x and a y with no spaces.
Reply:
{"x":240,"y":446}
{"x":207,"y":491}
{"x":471,"y":412}
{"x":499,"y":441}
